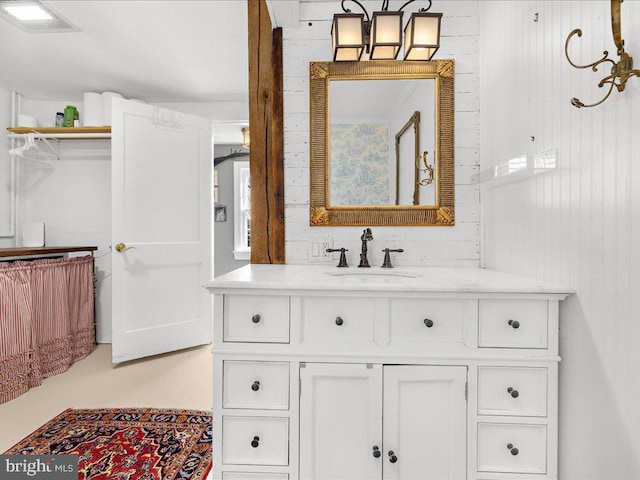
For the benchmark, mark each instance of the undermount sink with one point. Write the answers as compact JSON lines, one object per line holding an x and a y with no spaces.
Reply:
{"x":370,"y":273}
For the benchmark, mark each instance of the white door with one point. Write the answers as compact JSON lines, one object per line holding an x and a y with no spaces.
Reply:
{"x":340,"y":411}
{"x":161,"y":223}
{"x":425,"y":423}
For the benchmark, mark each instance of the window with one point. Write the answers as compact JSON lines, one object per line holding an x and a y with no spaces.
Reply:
{"x":242,"y":210}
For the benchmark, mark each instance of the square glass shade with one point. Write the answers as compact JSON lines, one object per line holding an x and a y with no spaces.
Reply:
{"x":386,"y":35}
{"x":347,"y":35}
{"x":422,"y":36}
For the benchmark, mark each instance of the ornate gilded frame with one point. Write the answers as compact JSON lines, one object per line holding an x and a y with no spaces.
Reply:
{"x":440,"y":214}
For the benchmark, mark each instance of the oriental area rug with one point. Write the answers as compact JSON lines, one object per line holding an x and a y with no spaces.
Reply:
{"x":132,"y":443}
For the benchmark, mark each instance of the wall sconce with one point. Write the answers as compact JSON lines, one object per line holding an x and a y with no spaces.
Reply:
{"x":381,"y":34}
{"x":245,"y":138}
{"x":620,"y":71}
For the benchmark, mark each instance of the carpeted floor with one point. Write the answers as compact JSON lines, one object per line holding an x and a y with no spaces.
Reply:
{"x":132,"y":443}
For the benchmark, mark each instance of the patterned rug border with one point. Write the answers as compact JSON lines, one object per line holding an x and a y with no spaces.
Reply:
{"x":114,"y":412}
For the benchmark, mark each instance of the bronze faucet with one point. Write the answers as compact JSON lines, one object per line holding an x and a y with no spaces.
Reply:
{"x":343,"y":257}
{"x":365,"y":237}
{"x":387,"y":257}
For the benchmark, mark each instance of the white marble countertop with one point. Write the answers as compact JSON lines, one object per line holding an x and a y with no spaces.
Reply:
{"x":374,"y":279}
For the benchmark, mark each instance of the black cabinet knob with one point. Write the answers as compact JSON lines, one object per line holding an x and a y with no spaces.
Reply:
{"x":428,"y":322}
{"x":255,"y":319}
{"x":256,"y":386}
{"x":255,"y":442}
{"x":514,"y":451}
{"x":376,"y":452}
{"x":392,"y":457}
{"x":339,"y":321}
{"x":514,"y":393}
{"x":514,"y":323}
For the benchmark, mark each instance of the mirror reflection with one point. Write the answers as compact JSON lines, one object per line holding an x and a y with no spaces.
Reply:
{"x":382,"y":142}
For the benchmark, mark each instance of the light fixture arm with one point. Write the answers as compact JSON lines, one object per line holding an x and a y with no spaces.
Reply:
{"x":348,"y":10}
{"x":411,"y":1}
{"x":620,"y":71}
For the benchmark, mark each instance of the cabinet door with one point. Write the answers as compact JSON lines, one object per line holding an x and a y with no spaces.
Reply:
{"x":425,"y":423}
{"x":340,"y":411}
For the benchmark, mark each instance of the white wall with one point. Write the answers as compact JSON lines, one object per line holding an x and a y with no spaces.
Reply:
{"x":457,"y":245}
{"x":6,"y":173}
{"x":580,"y":225}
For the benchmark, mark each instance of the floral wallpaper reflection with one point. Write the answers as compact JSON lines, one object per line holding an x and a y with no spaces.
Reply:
{"x":359,"y":164}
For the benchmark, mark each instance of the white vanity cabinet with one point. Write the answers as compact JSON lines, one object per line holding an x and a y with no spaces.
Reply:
{"x":431,"y":374}
{"x":382,"y":421}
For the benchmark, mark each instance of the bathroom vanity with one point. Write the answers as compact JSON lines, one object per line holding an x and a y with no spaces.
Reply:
{"x":405,"y":373}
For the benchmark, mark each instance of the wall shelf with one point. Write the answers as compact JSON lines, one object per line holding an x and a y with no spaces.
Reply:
{"x":61,"y":133}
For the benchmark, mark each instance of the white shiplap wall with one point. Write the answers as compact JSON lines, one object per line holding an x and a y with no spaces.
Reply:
{"x":311,"y":41}
{"x":579,"y":225}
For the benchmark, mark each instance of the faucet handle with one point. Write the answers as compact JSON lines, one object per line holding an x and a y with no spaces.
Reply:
{"x":387,"y":258}
{"x":343,"y":257}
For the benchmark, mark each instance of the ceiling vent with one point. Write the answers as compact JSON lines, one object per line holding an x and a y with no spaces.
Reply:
{"x":35,"y":17}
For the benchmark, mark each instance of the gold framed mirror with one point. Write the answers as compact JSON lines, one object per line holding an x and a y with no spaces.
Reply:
{"x":355,"y":173}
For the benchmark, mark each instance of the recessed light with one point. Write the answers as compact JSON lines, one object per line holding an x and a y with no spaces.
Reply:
{"x":28,"y":12}
{"x":35,"y":17}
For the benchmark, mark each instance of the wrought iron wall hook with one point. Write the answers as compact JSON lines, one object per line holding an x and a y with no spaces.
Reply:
{"x":620,"y":71}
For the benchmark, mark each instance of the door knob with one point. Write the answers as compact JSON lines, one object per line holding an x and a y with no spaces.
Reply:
{"x":256,"y":386}
{"x":376,"y":452}
{"x":255,"y":443}
{"x":121,"y":248}
{"x":392,"y":457}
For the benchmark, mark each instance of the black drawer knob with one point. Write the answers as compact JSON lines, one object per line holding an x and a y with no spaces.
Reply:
{"x":376,"y":452}
{"x":255,"y":319}
{"x":392,"y":457}
{"x":514,"y":451}
{"x":255,"y":442}
{"x":428,"y":322}
{"x":256,"y":386}
{"x":514,"y":393}
{"x":514,"y":323}
{"x":339,"y":321}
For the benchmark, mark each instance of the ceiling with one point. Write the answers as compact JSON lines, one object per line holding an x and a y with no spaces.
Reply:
{"x":157,"y":51}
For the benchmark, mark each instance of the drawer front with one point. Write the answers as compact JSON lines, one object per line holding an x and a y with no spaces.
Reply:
{"x":520,"y":391}
{"x":513,"y":323}
{"x":263,"y":319}
{"x":338,"y":320}
{"x":254,"y":476}
{"x":261,"y":385}
{"x":416,"y":321}
{"x":255,"y":441}
{"x":512,"y":448}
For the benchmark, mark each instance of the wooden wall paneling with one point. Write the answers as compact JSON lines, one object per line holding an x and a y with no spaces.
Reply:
{"x":267,"y":140}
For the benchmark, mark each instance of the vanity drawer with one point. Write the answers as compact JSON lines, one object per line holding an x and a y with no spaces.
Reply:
{"x":261,"y":319}
{"x":512,"y":448}
{"x":520,"y":391}
{"x":263,"y":385}
{"x":338,"y":320}
{"x":513,"y":323}
{"x":255,"y":440}
{"x":254,"y":476}
{"x":417,"y":321}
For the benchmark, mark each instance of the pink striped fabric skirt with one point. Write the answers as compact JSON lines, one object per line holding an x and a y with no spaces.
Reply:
{"x":46,"y":320}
